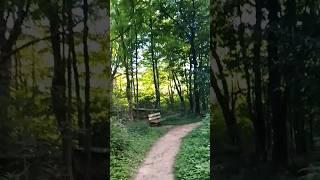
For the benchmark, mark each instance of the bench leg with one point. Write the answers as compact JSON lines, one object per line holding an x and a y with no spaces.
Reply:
{"x":153,"y":124}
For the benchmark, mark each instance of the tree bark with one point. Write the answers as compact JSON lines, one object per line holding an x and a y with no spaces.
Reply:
{"x":259,"y":122}
{"x":87,"y":90}
{"x":278,"y":110}
{"x":132,"y":72}
{"x":179,"y":90}
{"x":194,"y":61}
{"x":68,"y":137}
{"x":109,"y":85}
{"x":223,"y":98}
{"x":154,"y":67}
{"x":191,"y":104}
{"x":58,"y":91}
{"x":136,"y":63}
{"x":228,"y":115}
{"x":73,"y":59}
{"x":128,"y":86}
{"x":33,"y":74}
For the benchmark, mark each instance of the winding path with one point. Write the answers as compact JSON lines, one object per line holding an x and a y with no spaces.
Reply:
{"x":158,"y":165}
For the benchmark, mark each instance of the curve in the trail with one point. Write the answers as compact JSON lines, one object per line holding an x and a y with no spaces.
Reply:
{"x":158,"y":165}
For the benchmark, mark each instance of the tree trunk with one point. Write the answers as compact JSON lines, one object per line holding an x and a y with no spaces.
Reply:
{"x":158,"y":84}
{"x":128,"y":86}
{"x":228,"y":115}
{"x":194,"y":61}
{"x":74,"y":63}
{"x":68,"y":136}
{"x":132,"y":73}
{"x":179,"y":90}
{"x":190,"y":87}
{"x":154,"y":68}
{"x":109,"y":86}
{"x":223,"y":96}
{"x":16,"y":70}
{"x":87,"y":90}
{"x":259,"y":120}
{"x":278,"y":110}
{"x":5,"y":79}
{"x":171,"y":93}
{"x":136,"y":63}
{"x":196,"y":87}
{"x":202,"y":86}
{"x":58,"y":91}
{"x":33,"y":74}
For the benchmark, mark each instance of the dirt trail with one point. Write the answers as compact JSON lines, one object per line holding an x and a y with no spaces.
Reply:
{"x":158,"y":165}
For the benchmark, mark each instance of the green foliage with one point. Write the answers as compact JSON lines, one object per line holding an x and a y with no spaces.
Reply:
{"x":193,"y":160}
{"x":170,"y":36}
{"x":129,"y":144}
{"x":220,"y":129}
{"x":221,"y":136}
{"x":180,"y":120}
{"x":119,"y":137}
{"x":31,"y":115}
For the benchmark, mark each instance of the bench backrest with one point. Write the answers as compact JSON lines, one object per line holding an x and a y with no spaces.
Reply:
{"x":155,"y":117}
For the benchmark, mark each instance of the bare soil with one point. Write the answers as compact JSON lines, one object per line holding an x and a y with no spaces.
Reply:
{"x":159,"y":162}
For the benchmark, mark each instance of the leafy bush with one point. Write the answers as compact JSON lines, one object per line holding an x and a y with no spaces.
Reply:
{"x":193,"y":160}
{"x":119,"y":137}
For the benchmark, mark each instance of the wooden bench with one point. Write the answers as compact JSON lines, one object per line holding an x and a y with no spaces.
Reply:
{"x":154,"y":119}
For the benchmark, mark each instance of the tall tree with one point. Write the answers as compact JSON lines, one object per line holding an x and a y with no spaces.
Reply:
{"x":277,"y":102}
{"x":73,"y":59}
{"x":58,"y":90}
{"x":154,"y":61}
{"x":18,"y":12}
{"x":87,"y":89}
{"x":259,"y":119}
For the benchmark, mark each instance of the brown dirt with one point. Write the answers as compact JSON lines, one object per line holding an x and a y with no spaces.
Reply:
{"x":158,"y":165}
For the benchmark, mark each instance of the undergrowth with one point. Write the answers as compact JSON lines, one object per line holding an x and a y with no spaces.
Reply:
{"x":180,"y":119}
{"x":193,"y":160}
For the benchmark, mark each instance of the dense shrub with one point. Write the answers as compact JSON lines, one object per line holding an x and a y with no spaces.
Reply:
{"x":119,"y":137}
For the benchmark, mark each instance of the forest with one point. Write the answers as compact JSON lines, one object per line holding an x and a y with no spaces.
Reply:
{"x":160,"y":65}
{"x":55,"y":69}
{"x":74,"y":73}
{"x":264,"y":78}
{"x":159,"y":89}
{"x":160,"y":54}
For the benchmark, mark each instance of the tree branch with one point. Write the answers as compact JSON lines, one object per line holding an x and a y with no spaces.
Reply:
{"x":221,"y":71}
{"x":22,"y":13}
{"x":30,"y":43}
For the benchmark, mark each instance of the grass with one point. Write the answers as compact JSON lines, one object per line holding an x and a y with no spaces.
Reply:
{"x":193,"y":160}
{"x":129,"y":145}
{"x":180,"y":119}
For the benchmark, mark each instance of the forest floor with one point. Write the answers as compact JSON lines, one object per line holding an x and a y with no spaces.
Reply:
{"x":159,"y":162}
